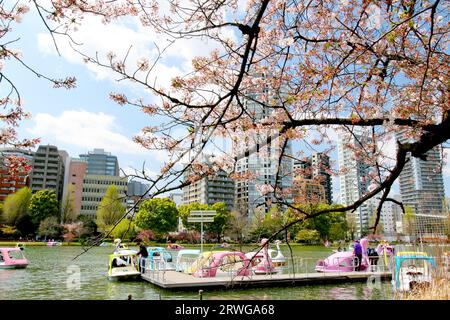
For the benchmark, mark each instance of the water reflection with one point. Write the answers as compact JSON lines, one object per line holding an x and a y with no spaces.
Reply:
{"x":47,"y":276}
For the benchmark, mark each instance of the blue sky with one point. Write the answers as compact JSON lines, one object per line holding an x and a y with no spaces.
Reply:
{"x":84,"y":118}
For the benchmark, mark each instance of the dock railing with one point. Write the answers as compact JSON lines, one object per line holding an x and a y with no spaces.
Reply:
{"x":295,"y":266}
{"x":154,"y":268}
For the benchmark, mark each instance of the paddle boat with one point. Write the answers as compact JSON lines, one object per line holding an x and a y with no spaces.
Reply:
{"x":159,"y":258}
{"x":264,"y":266}
{"x":227,"y":263}
{"x":262,"y":261}
{"x":278,"y":259}
{"x":119,"y":245}
{"x":185,"y":258}
{"x":123,"y":266}
{"x":344,"y":261}
{"x":412,"y":270}
{"x":174,"y":246}
{"x":12,"y":258}
{"x":53,"y":243}
{"x":20,"y":245}
{"x":202,"y":259}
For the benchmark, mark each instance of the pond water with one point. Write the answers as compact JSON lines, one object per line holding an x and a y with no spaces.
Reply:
{"x":48,"y":277}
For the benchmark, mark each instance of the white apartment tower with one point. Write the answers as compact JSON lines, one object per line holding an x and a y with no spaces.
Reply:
{"x":258,"y":153}
{"x":354,"y":178}
{"x":421,"y":182}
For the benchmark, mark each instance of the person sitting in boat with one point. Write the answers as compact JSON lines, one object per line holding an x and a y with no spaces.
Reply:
{"x":1,"y":258}
{"x":119,"y":262}
{"x":174,"y":246}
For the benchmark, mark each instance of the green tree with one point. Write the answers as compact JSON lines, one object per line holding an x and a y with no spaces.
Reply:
{"x":264,"y":224}
{"x":9,"y":230}
{"x":124,"y":230}
{"x":157,"y":214}
{"x":16,"y":206}
{"x":307,"y":236}
{"x":50,"y":227}
{"x":68,"y":213}
{"x":110,"y":209}
{"x":43,"y":204}
{"x":351,"y":225}
{"x":89,"y":225}
{"x":338,"y":231}
{"x":330,"y":226}
{"x":221,"y":220}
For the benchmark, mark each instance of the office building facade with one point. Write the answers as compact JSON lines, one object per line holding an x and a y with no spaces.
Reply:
{"x":94,"y":189}
{"x":100,"y":162}
{"x":48,"y":170}
{"x":77,"y":172}
{"x":136,"y":188}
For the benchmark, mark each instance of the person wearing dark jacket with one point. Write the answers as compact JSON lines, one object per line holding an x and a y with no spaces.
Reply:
{"x":142,"y":254}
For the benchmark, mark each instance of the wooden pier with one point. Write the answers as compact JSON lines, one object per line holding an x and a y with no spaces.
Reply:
{"x":182,"y":281}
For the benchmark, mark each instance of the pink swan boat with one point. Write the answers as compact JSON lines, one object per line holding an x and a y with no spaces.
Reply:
{"x":344,"y":261}
{"x":12,"y":258}
{"x":228,"y":262}
{"x":261,"y":260}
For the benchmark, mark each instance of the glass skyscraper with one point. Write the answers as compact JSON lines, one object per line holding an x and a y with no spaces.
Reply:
{"x":100,"y":162}
{"x":422,"y":183}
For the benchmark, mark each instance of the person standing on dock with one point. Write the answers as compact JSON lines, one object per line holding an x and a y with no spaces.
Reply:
{"x":357,"y":251}
{"x":142,"y":254}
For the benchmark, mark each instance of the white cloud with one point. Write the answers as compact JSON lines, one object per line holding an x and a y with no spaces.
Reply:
{"x":88,"y":130}
{"x":97,"y":38}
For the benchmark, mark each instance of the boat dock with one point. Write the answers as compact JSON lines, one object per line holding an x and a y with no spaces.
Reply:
{"x":183,"y":281}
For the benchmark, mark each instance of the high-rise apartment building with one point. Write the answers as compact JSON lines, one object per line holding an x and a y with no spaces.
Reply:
{"x":48,"y":170}
{"x":262,"y":155}
{"x":388,"y":218}
{"x":100,"y":162}
{"x":209,"y":190}
{"x":354,"y":177}
{"x":258,"y":156}
{"x":421,"y":182}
